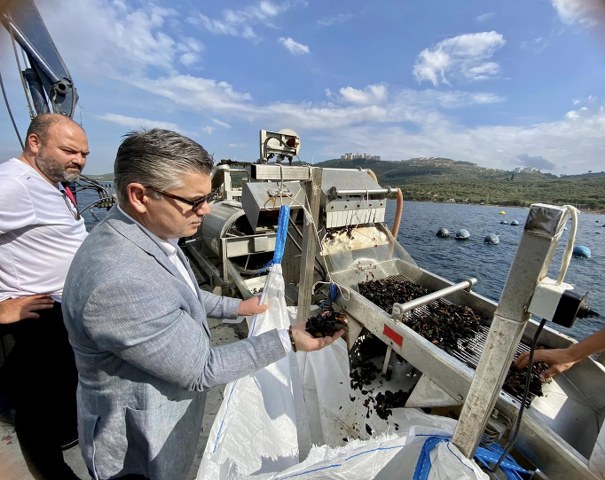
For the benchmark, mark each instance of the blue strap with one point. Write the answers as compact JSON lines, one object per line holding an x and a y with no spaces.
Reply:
{"x":265,"y":267}
{"x":333,"y":291}
{"x":423,"y":467}
{"x":282,"y":233}
{"x":486,"y":456}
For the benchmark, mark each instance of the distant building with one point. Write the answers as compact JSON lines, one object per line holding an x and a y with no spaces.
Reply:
{"x":359,"y":156}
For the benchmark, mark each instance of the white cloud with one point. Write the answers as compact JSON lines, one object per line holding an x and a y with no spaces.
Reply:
{"x":240,"y":23}
{"x":489,"y":146}
{"x":463,"y":57}
{"x":113,"y":39}
{"x":294,"y":47}
{"x":220,"y":123}
{"x":220,"y":27}
{"x":484,"y":71}
{"x":432,"y":66}
{"x":196,"y":94}
{"x":137,"y":123}
{"x":537,"y":45}
{"x":484,"y":17}
{"x":335,"y":20}
{"x":188,"y":59}
{"x":589,"y":13}
{"x":371,"y":94}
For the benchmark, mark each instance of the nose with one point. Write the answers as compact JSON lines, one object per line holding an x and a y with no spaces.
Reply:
{"x":79,"y":159}
{"x":203,"y":209}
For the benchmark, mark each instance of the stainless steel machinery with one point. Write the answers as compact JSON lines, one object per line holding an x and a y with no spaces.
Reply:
{"x":338,"y":237}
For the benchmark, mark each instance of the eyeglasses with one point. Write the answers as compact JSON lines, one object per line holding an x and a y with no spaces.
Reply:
{"x":195,"y":204}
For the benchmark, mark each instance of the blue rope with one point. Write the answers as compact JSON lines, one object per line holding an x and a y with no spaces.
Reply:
{"x":510,"y":467}
{"x":484,"y":456}
{"x":282,"y":233}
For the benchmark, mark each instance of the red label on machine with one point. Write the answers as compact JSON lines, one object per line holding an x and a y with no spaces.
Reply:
{"x":393,"y":335}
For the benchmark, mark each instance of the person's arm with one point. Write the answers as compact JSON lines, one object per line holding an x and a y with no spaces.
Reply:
{"x":300,"y":338}
{"x":304,"y":341}
{"x":150,"y":329}
{"x":561,"y":359}
{"x":15,"y":309}
{"x":252,"y":306}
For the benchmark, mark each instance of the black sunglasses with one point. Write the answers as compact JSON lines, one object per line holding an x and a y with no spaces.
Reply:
{"x":195,"y":204}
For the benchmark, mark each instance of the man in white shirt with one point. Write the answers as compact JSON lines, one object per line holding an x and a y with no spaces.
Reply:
{"x":40,"y":231}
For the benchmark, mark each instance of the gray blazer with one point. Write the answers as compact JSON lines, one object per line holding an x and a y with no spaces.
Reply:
{"x":143,"y":352}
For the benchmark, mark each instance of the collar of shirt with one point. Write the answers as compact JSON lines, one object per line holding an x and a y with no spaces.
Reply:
{"x":66,"y":191}
{"x":169,"y":247}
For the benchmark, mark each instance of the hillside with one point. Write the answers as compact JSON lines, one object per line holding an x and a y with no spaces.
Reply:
{"x":106,"y":177}
{"x":445,"y":180}
{"x":442,"y":180}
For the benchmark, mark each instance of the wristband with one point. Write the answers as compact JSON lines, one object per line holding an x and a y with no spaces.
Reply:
{"x":291,"y":338}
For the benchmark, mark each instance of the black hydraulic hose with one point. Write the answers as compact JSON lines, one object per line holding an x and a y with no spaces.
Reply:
{"x":10,"y":112}
{"x":530,"y":366}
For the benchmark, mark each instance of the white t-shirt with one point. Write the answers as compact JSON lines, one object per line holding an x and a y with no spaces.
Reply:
{"x":38,"y":233}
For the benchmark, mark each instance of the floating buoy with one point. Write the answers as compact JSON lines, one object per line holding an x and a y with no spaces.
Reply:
{"x":503,"y":222}
{"x":443,"y":233}
{"x":581,"y":251}
{"x":514,"y":222}
{"x":462,"y":234}
{"x":502,"y":212}
{"x":492,"y":239}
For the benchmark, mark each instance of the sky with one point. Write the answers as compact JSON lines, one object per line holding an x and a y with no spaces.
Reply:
{"x":502,"y":84}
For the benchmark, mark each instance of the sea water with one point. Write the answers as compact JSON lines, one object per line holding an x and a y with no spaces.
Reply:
{"x":456,"y":260}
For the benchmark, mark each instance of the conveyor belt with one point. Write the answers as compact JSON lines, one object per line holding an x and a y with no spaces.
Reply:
{"x":469,"y":348}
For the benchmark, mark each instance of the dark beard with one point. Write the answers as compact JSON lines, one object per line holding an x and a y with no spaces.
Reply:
{"x":55,"y":172}
{"x":70,"y":176}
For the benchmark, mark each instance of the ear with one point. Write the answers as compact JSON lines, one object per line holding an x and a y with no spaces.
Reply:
{"x":34,"y":143}
{"x":136,"y":197}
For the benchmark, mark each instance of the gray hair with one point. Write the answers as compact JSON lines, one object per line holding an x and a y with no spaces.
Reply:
{"x":157,"y":158}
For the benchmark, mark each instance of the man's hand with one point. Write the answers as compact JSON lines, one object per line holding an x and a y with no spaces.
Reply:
{"x":251,"y":306}
{"x":558,"y":359}
{"x":305,"y":342}
{"x":15,"y":309}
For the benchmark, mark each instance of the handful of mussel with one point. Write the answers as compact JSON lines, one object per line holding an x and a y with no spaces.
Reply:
{"x":326,"y":323}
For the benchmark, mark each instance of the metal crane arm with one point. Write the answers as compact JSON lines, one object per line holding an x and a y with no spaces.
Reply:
{"x":48,"y":80}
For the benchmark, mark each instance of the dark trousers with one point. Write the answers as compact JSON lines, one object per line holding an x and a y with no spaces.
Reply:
{"x":43,"y":378}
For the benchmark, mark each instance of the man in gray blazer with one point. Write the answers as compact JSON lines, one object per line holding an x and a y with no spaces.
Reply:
{"x":138,"y":321}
